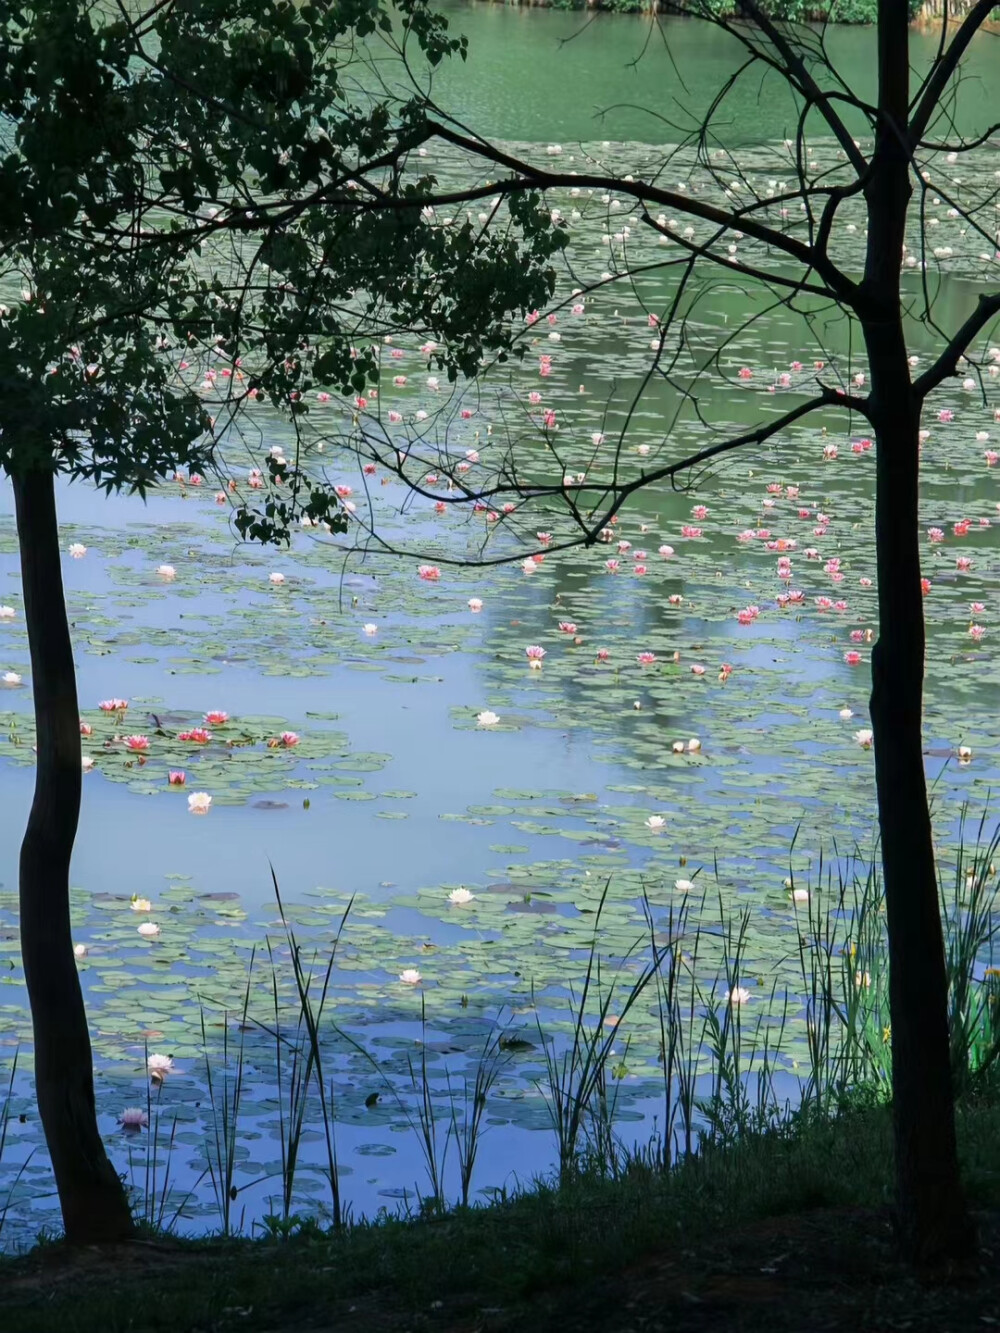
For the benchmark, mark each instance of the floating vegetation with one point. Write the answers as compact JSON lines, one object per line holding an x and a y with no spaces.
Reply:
{"x":630,"y":734}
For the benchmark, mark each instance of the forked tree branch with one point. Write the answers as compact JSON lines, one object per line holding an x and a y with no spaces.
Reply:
{"x":796,"y":68}
{"x":929,"y":94}
{"x":532,"y":177}
{"x":946,"y":365}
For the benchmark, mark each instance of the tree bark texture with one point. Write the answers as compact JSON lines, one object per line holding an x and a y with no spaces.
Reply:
{"x":92,"y":1198}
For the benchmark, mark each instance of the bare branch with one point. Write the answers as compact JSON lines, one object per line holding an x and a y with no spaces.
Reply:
{"x":929,"y":93}
{"x":796,"y":66}
{"x":987,"y":308}
{"x":537,"y":177}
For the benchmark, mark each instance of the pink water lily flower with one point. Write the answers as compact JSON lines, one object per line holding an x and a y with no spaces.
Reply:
{"x":688,"y":531}
{"x":85,"y":728}
{"x":177,"y":777}
{"x":646,"y":658}
{"x":217,"y":718}
{"x":852,"y":658}
{"x":977,"y":632}
{"x":567,"y":626}
{"x":113,"y":705}
{"x":534,"y":653}
{"x":136,"y":742}
{"x":199,"y":735}
{"x":288,"y":739}
{"x":429,"y":573}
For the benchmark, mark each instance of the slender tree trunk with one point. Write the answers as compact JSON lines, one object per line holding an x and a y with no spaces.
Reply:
{"x":933,"y":1219}
{"x":934,"y":1222}
{"x":94,"y":1206}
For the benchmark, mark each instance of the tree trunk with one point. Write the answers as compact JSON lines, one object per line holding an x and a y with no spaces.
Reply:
{"x":934,"y":1221}
{"x":93,"y":1201}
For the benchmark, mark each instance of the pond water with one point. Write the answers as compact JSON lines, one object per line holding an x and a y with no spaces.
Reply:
{"x":605,"y":781}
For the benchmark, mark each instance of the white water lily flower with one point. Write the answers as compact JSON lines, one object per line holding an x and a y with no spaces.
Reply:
{"x":683,"y":885}
{"x":86,"y":763}
{"x":141,"y":904}
{"x":694,"y":745}
{"x":276,"y":577}
{"x":410,"y":977}
{"x":166,"y":572}
{"x":80,"y":950}
{"x":133,"y":1117}
{"x":77,"y":550}
{"x":7,"y":613}
{"x":965,"y":753}
{"x":199,"y":802}
{"x":800,"y":895}
{"x":487,"y":718}
{"x":845,"y":715}
{"x":149,"y":929}
{"x":159,"y":1066}
{"x":864,"y":738}
{"x":655,"y":822}
{"x":738,"y":995}
{"x":460,"y":896}
{"x":678,"y":747}
{"x":370,"y":629}
{"x":11,"y":678}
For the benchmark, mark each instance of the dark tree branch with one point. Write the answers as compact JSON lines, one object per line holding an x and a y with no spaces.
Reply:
{"x":536,"y":177}
{"x":929,"y":94}
{"x":946,"y":365}
{"x":823,"y":101}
